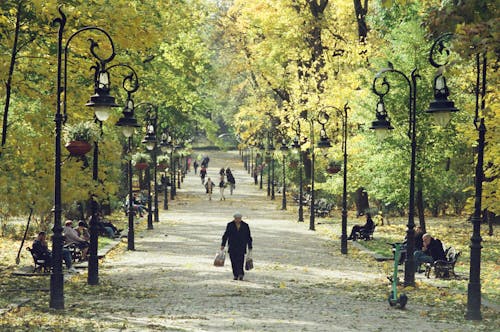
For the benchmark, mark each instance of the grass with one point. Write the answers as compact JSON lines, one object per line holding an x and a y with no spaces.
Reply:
{"x":452,"y":231}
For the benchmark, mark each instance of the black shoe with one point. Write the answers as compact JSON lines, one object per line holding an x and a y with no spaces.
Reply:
{"x":235,"y":278}
{"x":240,"y":277}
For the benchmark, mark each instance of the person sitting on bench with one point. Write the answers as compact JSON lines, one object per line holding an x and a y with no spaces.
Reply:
{"x":431,"y":251}
{"x":71,"y":236}
{"x":40,"y":249}
{"x":357,"y":229}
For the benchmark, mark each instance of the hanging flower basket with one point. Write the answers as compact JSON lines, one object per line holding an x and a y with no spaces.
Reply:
{"x":333,"y":169}
{"x":161,"y":166}
{"x":78,"y":148}
{"x":141,"y":165}
{"x":294,"y":164}
{"x":141,"y":160}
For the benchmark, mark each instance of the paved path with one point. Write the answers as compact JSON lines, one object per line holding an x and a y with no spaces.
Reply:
{"x":175,"y":286}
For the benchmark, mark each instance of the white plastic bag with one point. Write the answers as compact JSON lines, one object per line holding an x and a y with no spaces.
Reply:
{"x":249,"y":261}
{"x":220,"y":257}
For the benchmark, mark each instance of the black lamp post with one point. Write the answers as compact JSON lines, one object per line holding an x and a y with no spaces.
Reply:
{"x":150,"y":142}
{"x":297,"y":147}
{"x":261,"y":169}
{"x":173,"y":190}
{"x":381,"y":125}
{"x":343,"y":114}
{"x":251,"y":161}
{"x":131,"y":85}
{"x":178,"y":148}
{"x":101,"y":101}
{"x":128,"y":124}
{"x":284,"y":150}
{"x":441,"y":108}
{"x":165,"y":148}
{"x":273,"y":181}
{"x":324,"y":143}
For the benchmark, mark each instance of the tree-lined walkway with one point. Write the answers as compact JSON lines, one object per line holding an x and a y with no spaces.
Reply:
{"x":170,"y":283}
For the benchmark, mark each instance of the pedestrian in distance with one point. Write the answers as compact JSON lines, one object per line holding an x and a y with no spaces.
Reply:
{"x":209,"y":188}
{"x":195,"y":166}
{"x":238,"y":238}
{"x":203,"y":174}
{"x":230,"y":180}
{"x":222,"y":187}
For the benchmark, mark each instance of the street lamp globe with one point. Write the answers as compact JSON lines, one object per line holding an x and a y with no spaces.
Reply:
{"x":441,"y":108}
{"x":150,"y":138}
{"x":128,"y":122}
{"x":101,"y":100}
{"x":381,"y":124}
{"x":283,"y":147}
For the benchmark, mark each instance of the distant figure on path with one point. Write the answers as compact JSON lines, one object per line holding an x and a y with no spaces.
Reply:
{"x":238,"y":237}
{"x":209,"y":188}
{"x":222,"y":187}
{"x":230,"y":180}
{"x":203,"y":173}
{"x":195,"y":166}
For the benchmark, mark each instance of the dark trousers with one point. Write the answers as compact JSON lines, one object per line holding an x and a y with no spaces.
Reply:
{"x":355,"y":229}
{"x":237,"y":260}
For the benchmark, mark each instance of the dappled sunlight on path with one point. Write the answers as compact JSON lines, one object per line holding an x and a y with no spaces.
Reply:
{"x":292,"y":288}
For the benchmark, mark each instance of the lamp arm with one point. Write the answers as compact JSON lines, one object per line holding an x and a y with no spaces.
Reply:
{"x":382,"y":89}
{"x":132,"y":78}
{"x":61,"y":21}
{"x":439,"y":43}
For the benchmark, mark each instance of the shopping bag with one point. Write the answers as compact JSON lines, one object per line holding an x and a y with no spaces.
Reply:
{"x":219,"y":258}
{"x":249,"y":264}
{"x":249,"y":261}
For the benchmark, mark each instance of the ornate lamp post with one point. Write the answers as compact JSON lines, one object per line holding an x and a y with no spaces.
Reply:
{"x":131,"y":85}
{"x":270,"y":165}
{"x":101,"y":101}
{"x":381,"y":125}
{"x":261,"y":168}
{"x":324,"y":143}
{"x":441,"y":108}
{"x":150,"y":142}
{"x":343,"y":114}
{"x":297,"y":148}
{"x":128,"y":124}
{"x":178,"y":148}
{"x":173,"y":190}
{"x":284,"y":150}
{"x":165,"y":148}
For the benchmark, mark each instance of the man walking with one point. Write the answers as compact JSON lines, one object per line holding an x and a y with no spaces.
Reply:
{"x":238,"y":236}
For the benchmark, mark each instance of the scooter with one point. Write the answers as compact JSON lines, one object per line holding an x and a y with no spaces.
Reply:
{"x":393,"y":296}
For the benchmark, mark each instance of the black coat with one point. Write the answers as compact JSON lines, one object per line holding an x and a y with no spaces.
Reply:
{"x":237,"y":239}
{"x":435,"y":249}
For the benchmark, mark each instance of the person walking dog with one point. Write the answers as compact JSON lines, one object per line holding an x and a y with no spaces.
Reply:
{"x":238,"y":237}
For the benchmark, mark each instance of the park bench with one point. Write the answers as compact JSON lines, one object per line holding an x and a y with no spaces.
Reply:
{"x":41,"y":265}
{"x":304,"y":201}
{"x":364,"y":234}
{"x":322,"y":208}
{"x":444,"y":268}
{"x":76,"y":253}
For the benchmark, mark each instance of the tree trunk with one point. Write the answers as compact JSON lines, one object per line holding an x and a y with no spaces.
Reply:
{"x":8,"y":82}
{"x":361,"y":11}
{"x":421,"y":209}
